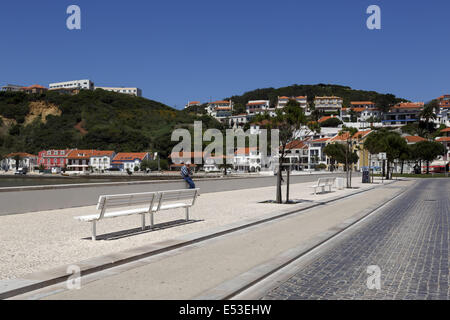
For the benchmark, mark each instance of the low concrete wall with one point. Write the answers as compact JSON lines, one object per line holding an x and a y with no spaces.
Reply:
{"x":39,"y":198}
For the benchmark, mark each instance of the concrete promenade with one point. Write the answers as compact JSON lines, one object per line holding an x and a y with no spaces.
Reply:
{"x":33,"y":199}
{"x":189,"y":272}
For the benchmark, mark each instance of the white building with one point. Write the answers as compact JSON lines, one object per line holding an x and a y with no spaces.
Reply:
{"x":238,"y":121}
{"x":26,"y":161}
{"x":74,"y":84}
{"x":221,"y":110}
{"x":247,"y":160}
{"x":302,"y":100}
{"x":254,"y":107}
{"x":192,"y":104}
{"x":328,"y":104}
{"x":12,"y":88}
{"x":125,"y":90}
{"x":101,"y":160}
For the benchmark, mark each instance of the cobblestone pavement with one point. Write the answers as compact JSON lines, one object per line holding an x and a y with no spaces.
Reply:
{"x":408,"y":240}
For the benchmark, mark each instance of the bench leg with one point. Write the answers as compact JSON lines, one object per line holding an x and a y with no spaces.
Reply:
{"x":151,"y":220}
{"x":187,"y":213}
{"x":143,"y":221}
{"x":94,"y":230}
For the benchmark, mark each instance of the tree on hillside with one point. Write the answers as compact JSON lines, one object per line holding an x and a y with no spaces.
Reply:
{"x":429,"y":151}
{"x":239,"y":108}
{"x":331,"y":123}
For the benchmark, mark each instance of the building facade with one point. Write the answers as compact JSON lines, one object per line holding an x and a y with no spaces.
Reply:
{"x":74,"y":84}
{"x":12,"y":88}
{"x":130,"y":160}
{"x":100,"y":161}
{"x":328,"y":104}
{"x":53,"y":159}
{"x":25,"y":161}
{"x":130,"y":91}
{"x":403,"y":113}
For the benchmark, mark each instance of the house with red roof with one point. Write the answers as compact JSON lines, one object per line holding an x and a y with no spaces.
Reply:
{"x":220,"y":110}
{"x":101,"y":160}
{"x":403,"y":113}
{"x":297,"y":155}
{"x":79,"y":160}
{"x":25,"y":161}
{"x":364,"y":111}
{"x":302,"y":100}
{"x":129,"y":160}
{"x":36,"y":88}
{"x":54,"y":160}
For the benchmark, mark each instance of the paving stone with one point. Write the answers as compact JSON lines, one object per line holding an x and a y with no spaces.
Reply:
{"x":408,"y":240}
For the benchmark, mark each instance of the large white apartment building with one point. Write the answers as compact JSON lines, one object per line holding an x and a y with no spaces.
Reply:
{"x":328,"y":104}
{"x":131,"y":91}
{"x":74,"y":84}
{"x":302,"y":100}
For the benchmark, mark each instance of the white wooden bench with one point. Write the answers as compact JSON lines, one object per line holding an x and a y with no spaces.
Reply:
{"x":174,"y":199}
{"x":320,"y":184}
{"x":140,"y":203}
{"x":323,"y":183}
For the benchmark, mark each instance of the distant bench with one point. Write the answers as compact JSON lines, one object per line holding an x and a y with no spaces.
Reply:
{"x":141,"y":204}
{"x":323,"y":183}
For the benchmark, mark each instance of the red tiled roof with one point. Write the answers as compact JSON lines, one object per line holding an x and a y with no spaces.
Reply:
{"x":361,"y":134}
{"x":409,"y":105}
{"x":341,"y":137}
{"x":443,"y":139}
{"x":100,"y":153}
{"x":194,"y":102}
{"x":320,"y":140}
{"x":220,"y":102}
{"x":34,"y":86}
{"x":445,"y":130}
{"x":124,"y":156}
{"x":20,"y":154}
{"x":323,"y":119}
{"x":414,"y":139}
{"x":357,"y":103}
{"x":80,"y":154}
{"x":296,"y":144}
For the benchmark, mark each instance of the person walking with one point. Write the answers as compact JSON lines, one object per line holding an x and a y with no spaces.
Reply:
{"x":186,"y":174}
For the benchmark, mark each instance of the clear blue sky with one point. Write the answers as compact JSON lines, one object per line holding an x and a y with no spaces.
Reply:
{"x":201,"y":49}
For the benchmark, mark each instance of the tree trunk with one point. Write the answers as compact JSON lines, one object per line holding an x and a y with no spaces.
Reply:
{"x":428,"y":167}
{"x":403,"y":163}
{"x":279,"y":196}
{"x":287,"y":184}
{"x":383,"y":164}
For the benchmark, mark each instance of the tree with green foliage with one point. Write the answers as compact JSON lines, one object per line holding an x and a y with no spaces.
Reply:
{"x":287,"y":121}
{"x":428,"y":151}
{"x":388,"y":142}
{"x":331,"y":123}
{"x":428,"y":114}
{"x":17,"y":158}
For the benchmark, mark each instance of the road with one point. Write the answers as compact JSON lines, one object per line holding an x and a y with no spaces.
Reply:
{"x":408,"y":240}
{"x":62,"y":197}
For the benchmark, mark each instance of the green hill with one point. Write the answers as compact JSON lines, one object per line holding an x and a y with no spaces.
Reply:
{"x":382,"y":101}
{"x":113,"y":121}
{"x":90,"y":120}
